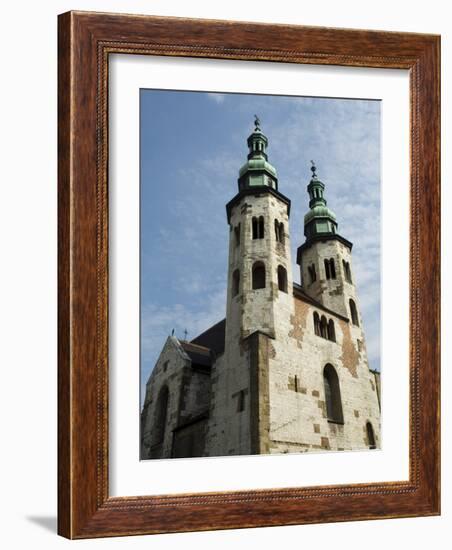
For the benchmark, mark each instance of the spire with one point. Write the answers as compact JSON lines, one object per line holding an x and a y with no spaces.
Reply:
{"x":320,"y":220}
{"x":257,"y":171}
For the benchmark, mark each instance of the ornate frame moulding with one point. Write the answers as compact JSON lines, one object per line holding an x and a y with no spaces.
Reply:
{"x":85,"y":41}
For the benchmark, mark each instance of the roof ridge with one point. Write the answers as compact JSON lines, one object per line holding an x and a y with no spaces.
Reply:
{"x":187,"y":343}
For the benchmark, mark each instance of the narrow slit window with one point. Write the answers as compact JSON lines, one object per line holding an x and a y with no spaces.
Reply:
{"x":353,"y":313}
{"x":254,"y":224}
{"x":312,"y":273}
{"x":160,"y":416}
{"x":331,"y":331}
{"x":347,"y":272}
{"x":241,"y":401}
{"x":323,"y":327}
{"x":316,"y":323}
{"x":370,"y":436}
{"x":282,"y":279}
{"x":332,"y":268}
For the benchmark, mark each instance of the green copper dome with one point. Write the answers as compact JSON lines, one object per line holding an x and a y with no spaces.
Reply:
{"x":319,"y":220}
{"x":319,"y":212}
{"x":257,"y":171}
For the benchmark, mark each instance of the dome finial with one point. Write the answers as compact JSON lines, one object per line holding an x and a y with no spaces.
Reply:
{"x":313,"y":169}
{"x":257,"y":122}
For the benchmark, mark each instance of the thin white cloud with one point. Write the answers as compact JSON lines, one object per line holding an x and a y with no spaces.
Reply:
{"x":216,"y":97}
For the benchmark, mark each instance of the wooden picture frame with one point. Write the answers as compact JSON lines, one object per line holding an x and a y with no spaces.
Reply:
{"x":86,"y":40}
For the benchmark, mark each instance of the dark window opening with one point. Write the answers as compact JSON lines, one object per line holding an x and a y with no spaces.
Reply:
{"x":331,"y":331}
{"x":241,"y":401}
{"x":254,"y":225}
{"x":332,"y":395}
{"x":279,"y":232}
{"x":312,"y":273}
{"x":258,"y":275}
{"x":282,"y":279}
{"x":323,"y":327}
{"x":353,"y":313}
{"x":330,"y":269}
{"x":316,"y":323}
{"x":347,"y":272}
{"x":327,"y":269}
{"x":258,"y":227}
{"x":161,"y":409}
{"x":370,"y":436}
{"x":295,"y":382}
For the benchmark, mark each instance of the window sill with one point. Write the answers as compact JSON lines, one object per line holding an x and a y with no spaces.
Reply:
{"x":340,"y":423}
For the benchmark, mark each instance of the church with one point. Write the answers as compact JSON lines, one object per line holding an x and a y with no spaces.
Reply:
{"x":287,"y":370}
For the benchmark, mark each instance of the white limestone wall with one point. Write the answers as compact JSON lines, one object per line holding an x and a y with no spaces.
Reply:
{"x":298,"y":419}
{"x":256,"y":312}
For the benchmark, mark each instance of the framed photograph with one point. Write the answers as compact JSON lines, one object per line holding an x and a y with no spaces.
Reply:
{"x":248,"y":275}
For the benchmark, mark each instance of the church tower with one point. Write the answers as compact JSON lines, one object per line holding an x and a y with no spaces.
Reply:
{"x":325,"y":257}
{"x":259,"y":291}
{"x":260,"y":269}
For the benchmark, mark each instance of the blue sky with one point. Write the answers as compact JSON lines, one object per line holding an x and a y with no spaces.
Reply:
{"x":192,"y":146}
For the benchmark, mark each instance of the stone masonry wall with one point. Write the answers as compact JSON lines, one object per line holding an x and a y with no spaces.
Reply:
{"x":188,"y":396}
{"x":298,"y":420}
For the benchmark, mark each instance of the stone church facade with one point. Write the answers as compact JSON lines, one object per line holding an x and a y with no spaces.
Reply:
{"x":287,"y":370}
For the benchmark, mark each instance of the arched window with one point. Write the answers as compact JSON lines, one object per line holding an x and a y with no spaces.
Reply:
{"x":331,"y":331}
{"x":258,"y":227}
{"x":279,"y":232}
{"x":330,"y":269}
{"x":353,"y":312}
{"x":258,"y":275}
{"x":160,"y":415}
{"x":370,"y":436}
{"x":327,"y":269}
{"x":235,"y":282}
{"x":282,"y":279}
{"x":316,"y":323}
{"x":347,"y":272}
{"x":323,"y":327}
{"x":332,"y":395}
{"x":255,"y":227}
{"x":312,"y":273}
